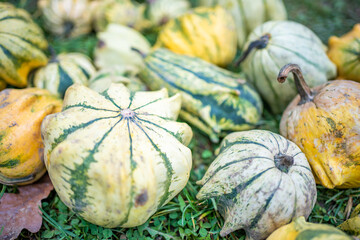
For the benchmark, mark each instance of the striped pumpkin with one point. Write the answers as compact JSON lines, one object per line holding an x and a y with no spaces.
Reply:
{"x":275,"y":44}
{"x":214,"y":100}
{"x":299,"y":229}
{"x":21,"y":45}
{"x":261,"y":181}
{"x":345,"y":53}
{"x":248,"y":14}
{"x":207,"y":33}
{"x":116,"y":157}
{"x":67,"y":18}
{"x":21,"y":147}
{"x":62,"y":71}
{"x":161,"y":11}
{"x":126,"y":75}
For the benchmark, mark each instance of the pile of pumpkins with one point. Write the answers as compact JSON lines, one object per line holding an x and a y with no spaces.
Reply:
{"x":109,"y":136}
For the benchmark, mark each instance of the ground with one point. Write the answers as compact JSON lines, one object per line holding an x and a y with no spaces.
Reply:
{"x":185,"y":217}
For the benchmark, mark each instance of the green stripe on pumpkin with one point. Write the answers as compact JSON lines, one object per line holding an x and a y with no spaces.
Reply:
{"x":10,"y":163}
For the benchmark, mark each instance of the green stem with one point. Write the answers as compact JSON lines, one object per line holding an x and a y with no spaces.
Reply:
{"x":260,"y":43}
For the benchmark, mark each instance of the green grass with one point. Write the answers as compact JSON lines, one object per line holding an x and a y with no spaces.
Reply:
{"x":185,"y":217}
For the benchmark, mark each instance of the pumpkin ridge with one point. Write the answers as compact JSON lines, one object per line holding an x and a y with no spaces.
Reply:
{"x":65,"y":81}
{"x":260,"y":213}
{"x":154,"y":115}
{"x":243,"y":142}
{"x":233,"y":162}
{"x":79,"y":179}
{"x":87,"y":75}
{"x":302,"y":167}
{"x":278,"y":145}
{"x":22,"y":39}
{"x":73,"y":129}
{"x":106,"y":95}
{"x":88,"y":107}
{"x":268,"y":80}
{"x":18,"y":17}
{"x":147,"y":104}
{"x":167,"y":165}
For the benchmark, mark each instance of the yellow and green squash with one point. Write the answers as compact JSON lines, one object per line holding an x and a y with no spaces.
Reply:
{"x":345,"y":53}
{"x":299,"y":229}
{"x":62,"y":71}
{"x":22,"y":43}
{"x":116,"y":157}
{"x":276,"y":43}
{"x":213,"y":99}
{"x":261,"y":181}
{"x":207,"y":33}
{"x":325,"y":123}
{"x":21,"y":147}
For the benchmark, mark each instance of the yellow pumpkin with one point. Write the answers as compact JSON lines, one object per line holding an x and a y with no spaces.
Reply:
{"x":325,"y":123}
{"x":207,"y":33}
{"x":21,"y":147}
{"x":352,"y":225}
{"x":299,"y":229}
{"x":345,"y":53}
{"x":22,"y":43}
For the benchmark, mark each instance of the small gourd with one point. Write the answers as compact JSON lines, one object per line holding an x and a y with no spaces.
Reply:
{"x":114,"y":47}
{"x":345,"y":53}
{"x":213,"y":99}
{"x":67,"y":18}
{"x":352,"y":225}
{"x":299,"y":229}
{"x":62,"y":71}
{"x":116,"y":157}
{"x":207,"y":33}
{"x":325,"y":123}
{"x":126,"y":75}
{"x":276,"y":43}
{"x":22,"y":45}
{"x":261,"y":181}
{"x":21,"y":147}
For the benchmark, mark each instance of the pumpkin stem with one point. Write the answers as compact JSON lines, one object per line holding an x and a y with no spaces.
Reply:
{"x":143,"y":55}
{"x":258,"y":44}
{"x":68,"y":27}
{"x":304,"y":91}
{"x":283,"y":162}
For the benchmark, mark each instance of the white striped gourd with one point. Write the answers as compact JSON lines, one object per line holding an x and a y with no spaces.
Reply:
{"x":275,"y":44}
{"x":21,"y":46}
{"x":116,"y":157}
{"x":62,"y":71}
{"x":214,"y":100}
{"x":261,"y":181}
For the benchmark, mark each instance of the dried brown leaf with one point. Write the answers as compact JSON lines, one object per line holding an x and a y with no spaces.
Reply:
{"x":19,"y":211}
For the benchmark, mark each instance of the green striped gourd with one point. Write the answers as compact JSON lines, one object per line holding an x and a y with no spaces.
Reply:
{"x":116,"y":157}
{"x":214,"y":99}
{"x":261,"y":181}
{"x":127,"y":75}
{"x":21,"y":45}
{"x":248,"y":14}
{"x":62,"y":71}
{"x":273,"y":45}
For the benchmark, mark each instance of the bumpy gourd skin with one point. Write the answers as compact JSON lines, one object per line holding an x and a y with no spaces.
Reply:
{"x":327,"y":129}
{"x":207,"y":33}
{"x":345,"y":53}
{"x":22,"y":44}
{"x":116,"y":157}
{"x":299,"y":229}
{"x":21,"y":147}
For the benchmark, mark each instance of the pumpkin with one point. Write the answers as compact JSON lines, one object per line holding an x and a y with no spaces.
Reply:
{"x":207,"y":33}
{"x":276,"y":43}
{"x":62,"y":71}
{"x":345,"y":52}
{"x":352,"y":225}
{"x":161,"y":11}
{"x":116,"y":157}
{"x":2,"y":84}
{"x":123,"y":12}
{"x":299,"y":229}
{"x":67,"y":18}
{"x":114,"y":47}
{"x":213,"y":99}
{"x":248,"y":14}
{"x":325,"y":123}
{"x":22,"y":44}
{"x":117,"y":74}
{"x":261,"y":181}
{"x":21,"y":147}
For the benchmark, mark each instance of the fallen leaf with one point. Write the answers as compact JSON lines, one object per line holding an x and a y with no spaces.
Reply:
{"x":19,"y":211}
